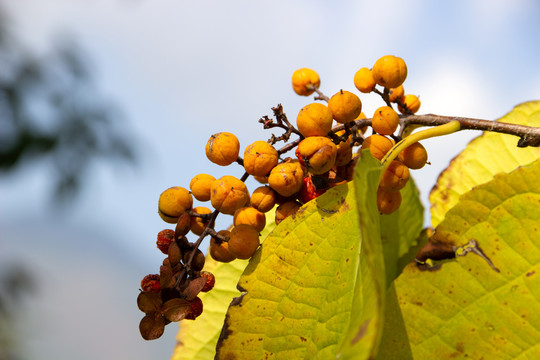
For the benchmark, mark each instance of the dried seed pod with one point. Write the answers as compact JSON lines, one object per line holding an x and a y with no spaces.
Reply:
{"x":176,"y":309}
{"x":149,"y":301}
{"x":175,"y":254}
{"x":152,"y":326}
{"x":198,"y":259}
{"x":183,"y":225}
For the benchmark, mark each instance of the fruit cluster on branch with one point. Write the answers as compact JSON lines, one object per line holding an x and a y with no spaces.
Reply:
{"x":330,"y":137}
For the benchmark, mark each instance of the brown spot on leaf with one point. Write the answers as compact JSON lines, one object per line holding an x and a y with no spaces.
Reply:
{"x":361,"y":332}
{"x":531,"y":273}
{"x":303,"y":339}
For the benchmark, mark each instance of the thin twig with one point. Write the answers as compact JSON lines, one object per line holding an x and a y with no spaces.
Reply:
{"x":529,"y":136}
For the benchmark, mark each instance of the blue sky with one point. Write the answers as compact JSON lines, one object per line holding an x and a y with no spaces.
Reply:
{"x":182,"y":71}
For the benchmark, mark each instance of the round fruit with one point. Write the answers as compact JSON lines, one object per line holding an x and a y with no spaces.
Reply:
{"x":317,"y":153}
{"x":385,"y":120}
{"x":260,"y":158}
{"x":196,"y":309}
{"x":263,"y":199}
{"x":198,"y":224}
{"x":286,"y":178}
{"x":363,"y":80}
{"x":396,"y":93}
{"x":219,"y":251}
{"x":305,"y":81}
{"x":286,"y":209}
{"x":200,"y":186}
{"x":243,"y":241}
{"x":414,"y":156}
{"x":345,"y":106}
{"x":250,"y":216}
{"x":314,"y":120}
{"x":173,"y":202}
{"x":164,"y":240}
{"x":151,"y":283}
{"x":261,"y":179}
{"x":395,"y":177}
{"x":388,"y":201}
{"x":210,"y":281}
{"x":222,"y":148}
{"x":378,"y":145}
{"x":198,"y":261}
{"x":411,"y":103}
{"x":228,"y":194}
{"x":389,"y":71}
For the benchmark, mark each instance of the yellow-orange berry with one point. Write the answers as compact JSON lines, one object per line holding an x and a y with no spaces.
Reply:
{"x":286,"y":209}
{"x":305,"y":81}
{"x":363,"y":80}
{"x":243,"y":241}
{"x":389,"y":71}
{"x":261,"y":179}
{"x":317,"y":153}
{"x":198,"y":224}
{"x":396,"y":93}
{"x":411,"y":102}
{"x":250,"y":216}
{"x":314,"y":120}
{"x":200,"y":186}
{"x":260,"y":158}
{"x":286,"y":178}
{"x":345,"y":106}
{"x":395,"y":177}
{"x":263,"y":198}
{"x":222,"y":148}
{"x":173,"y":202}
{"x":414,"y":156}
{"x":385,"y":120}
{"x":344,"y":150}
{"x":378,"y":145}
{"x":388,"y":201}
{"x":228,"y":194}
{"x":219,"y":250}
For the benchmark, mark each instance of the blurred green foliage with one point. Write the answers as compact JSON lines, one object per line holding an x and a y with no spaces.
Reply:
{"x":50,"y":111}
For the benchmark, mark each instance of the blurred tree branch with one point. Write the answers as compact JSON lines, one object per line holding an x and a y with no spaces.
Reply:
{"x":49,"y":110}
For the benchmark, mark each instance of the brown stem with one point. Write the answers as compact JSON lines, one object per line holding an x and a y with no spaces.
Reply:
{"x":281,"y":122}
{"x":529,"y":136}
{"x":321,"y":96}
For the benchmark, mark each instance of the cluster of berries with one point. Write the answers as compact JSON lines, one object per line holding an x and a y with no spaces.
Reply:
{"x":315,"y":123}
{"x":172,"y":295}
{"x":325,"y":157}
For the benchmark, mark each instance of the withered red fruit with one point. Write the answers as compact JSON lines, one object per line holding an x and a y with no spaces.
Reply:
{"x":164,"y":239}
{"x":151,"y":283}
{"x":196,"y":309}
{"x":210,"y":281}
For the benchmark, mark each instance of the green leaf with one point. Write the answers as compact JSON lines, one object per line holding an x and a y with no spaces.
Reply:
{"x":310,"y":292}
{"x":400,"y":231}
{"x":466,"y":309}
{"x":487,"y":155}
{"x":197,"y":339}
